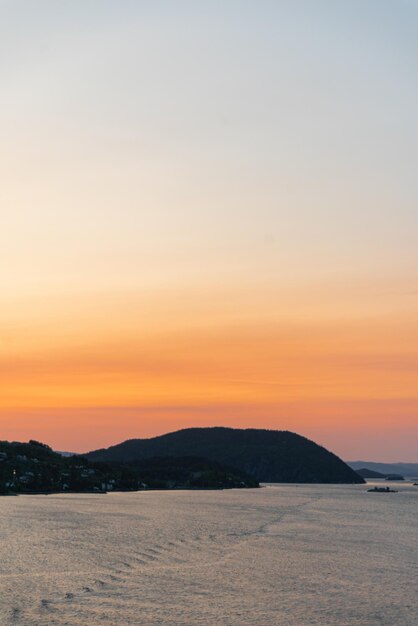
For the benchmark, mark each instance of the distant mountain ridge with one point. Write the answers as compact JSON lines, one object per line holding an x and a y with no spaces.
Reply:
{"x":405,"y":469}
{"x":267,"y":455}
{"x":368,"y":473}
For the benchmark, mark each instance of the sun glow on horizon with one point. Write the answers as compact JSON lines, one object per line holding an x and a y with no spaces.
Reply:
{"x":208,"y":217}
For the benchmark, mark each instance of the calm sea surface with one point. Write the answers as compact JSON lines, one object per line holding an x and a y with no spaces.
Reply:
{"x":281,"y":555}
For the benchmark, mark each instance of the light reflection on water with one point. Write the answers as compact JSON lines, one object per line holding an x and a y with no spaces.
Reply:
{"x":283,"y":555}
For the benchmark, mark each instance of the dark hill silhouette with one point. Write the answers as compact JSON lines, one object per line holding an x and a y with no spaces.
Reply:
{"x":267,"y":455}
{"x":34,"y":468}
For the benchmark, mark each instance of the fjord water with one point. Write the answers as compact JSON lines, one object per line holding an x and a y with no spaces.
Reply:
{"x":283,"y":555}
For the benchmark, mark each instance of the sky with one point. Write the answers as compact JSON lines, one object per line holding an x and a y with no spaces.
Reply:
{"x":209,"y":216}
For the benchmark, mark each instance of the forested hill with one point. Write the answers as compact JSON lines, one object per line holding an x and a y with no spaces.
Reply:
{"x":34,"y":468}
{"x":268,"y":455}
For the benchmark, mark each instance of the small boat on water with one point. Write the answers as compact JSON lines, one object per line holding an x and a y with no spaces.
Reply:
{"x":382,"y":490}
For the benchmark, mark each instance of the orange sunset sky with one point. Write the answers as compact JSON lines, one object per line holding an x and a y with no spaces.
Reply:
{"x":209,"y":217}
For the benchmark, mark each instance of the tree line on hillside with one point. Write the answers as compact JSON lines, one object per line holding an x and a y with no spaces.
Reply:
{"x":35,"y":468}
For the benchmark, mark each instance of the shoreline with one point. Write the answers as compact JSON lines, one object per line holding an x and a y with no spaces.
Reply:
{"x":103,"y":493}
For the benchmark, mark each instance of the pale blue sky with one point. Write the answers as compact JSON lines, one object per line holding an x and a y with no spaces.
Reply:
{"x":212,"y":137}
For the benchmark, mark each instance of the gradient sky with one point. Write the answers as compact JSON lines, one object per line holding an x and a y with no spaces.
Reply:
{"x":209,"y":215}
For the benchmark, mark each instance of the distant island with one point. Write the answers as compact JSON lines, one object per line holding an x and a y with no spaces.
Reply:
{"x":364,"y":472}
{"x":402,"y":469}
{"x":29,"y":468}
{"x":266,"y":455}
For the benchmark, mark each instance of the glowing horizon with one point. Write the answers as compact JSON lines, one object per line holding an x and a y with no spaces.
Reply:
{"x":209,"y":218}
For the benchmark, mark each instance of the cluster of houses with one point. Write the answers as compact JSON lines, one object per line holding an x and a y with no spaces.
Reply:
{"x":49,"y":471}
